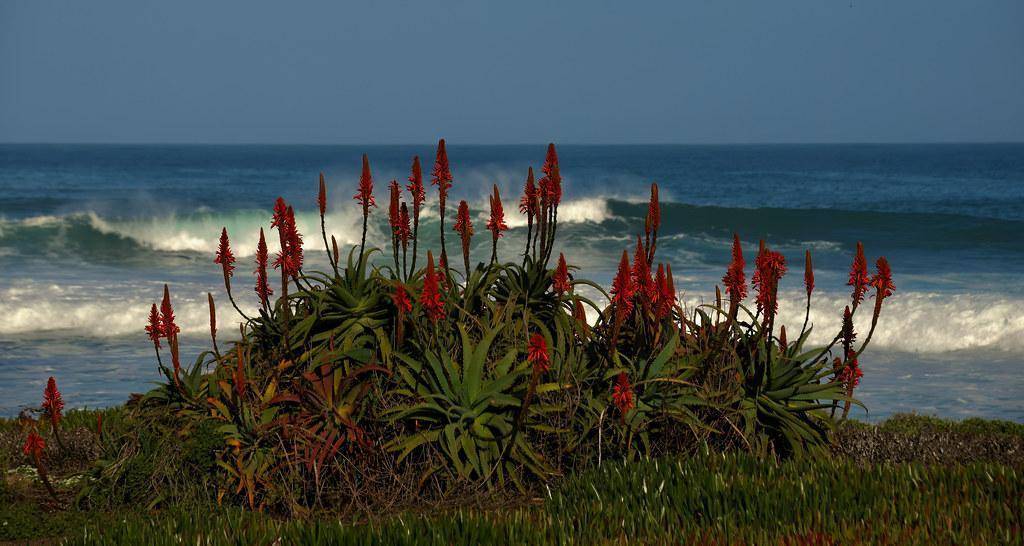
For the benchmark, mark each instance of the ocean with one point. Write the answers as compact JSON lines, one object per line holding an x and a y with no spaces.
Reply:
{"x":89,"y":234}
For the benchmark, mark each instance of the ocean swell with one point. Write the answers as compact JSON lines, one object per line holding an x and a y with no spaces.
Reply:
{"x":922,"y":322}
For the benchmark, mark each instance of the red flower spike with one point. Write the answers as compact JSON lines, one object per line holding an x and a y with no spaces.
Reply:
{"x":289,"y":259}
{"x":168,"y":328}
{"x":393,"y":218}
{"x":668,"y":293}
{"x":463,"y":224}
{"x":783,"y":343}
{"x":442,"y":266}
{"x":560,"y":279}
{"x":404,"y":231}
{"x":294,"y":243}
{"x":280,"y":215}
{"x":622,"y":394}
{"x":537,"y":354}
{"x":849,"y":336}
{"x":528,"y":203}
{"x":663,"y":300}
{"x":239,"y":374}
{"x":735,"y":279}
{"x":442,"y":175}
{"x":321,"y":198}
{"x":415,"y":186}
{"x":401,"y":301}
{"x":623,"y":288}
{"x":882,"y":280}
{"x":551,"y":184}
{"x":808,"y":273}
{"x":213,"y":317}
{"x":155,"y":329}
{"x":642,"y":281}
{"x":858,"y":276}
{"x":262,"y":287}
{"x":771,"y":266}
{"x":53,"y":403}
{"x":225,"y":257}
{"x":580,"y":313}
{"x":430,"y":298}
{"x":851,"y":373}
{"x":464,"y":227}
{"x":653,"y":221}
{"x":365,"y":195}
{"x":34,"y":445}
{"x":496,"y":223}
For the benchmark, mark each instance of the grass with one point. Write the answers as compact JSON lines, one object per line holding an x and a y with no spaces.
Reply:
{"x":708,"y":498}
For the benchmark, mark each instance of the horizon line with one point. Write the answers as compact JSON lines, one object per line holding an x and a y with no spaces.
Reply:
{"x":497,"y":144}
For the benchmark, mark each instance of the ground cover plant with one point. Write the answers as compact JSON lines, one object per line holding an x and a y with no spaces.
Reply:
{"x":396,"y":378}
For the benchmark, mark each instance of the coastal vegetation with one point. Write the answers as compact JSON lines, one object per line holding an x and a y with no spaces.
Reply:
{"x":396,"y":381}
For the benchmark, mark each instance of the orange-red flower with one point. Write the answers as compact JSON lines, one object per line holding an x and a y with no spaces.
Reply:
{"x":463,"y":224}
{"x":537,"y":353}
{"x":167,"y":326}
{"x":401,"y":301}
{"x":623,"y":288}
{"x":262,"y":287}
{"x":170,"y":329}
{"x":34,"y":445}
{"x":442,"y":174}
{"x":551,"y":183}
{"x":53,"y":403}
{"x":415,"y":186}
{"x":154,"y":329}
{"x":849,"y":336}
{"x":851,"y":372}
{"x":560,"y":278}
{"x":665,"y":297}
{"x":496,"y":223}
{"x":882,"y":280}
{"x":642,"y":281}
{"x":396,"y":195}
{"x":404,"y":230}
{"x":464,"y":227}
{"x":771,"y":266}
{"x":622,"y":394}
{"x":667,"y":294}
{"x":365,"y":194}
{"x":528,"y":203}
{"x":294,"y":242}
{"x":808,"y":273}
{"x":321,"y":198}
{"x":430,"y":298}
{"x":225,"y":257}
{"x":858,"y":275}
{"x":735,"y":280}
{"x":580,"y":313}
{"x":653,"y":221}
{"x":289,"y":259}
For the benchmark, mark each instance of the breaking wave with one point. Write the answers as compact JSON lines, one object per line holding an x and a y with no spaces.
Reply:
{"x":921,"y":322}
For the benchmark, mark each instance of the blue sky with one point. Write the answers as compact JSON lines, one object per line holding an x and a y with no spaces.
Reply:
{"x":573,"y":71}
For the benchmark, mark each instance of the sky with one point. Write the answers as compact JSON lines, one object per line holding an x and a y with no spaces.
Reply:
{"x":477,"y":72}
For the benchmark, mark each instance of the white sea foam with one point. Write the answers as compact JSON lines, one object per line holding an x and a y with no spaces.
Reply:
{"x":921,"y":322}
{"x":572,"y":211}
{"x":31,"y":309}
{"x":201,"y":233}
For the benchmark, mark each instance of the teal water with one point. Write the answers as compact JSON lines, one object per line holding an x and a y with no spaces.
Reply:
{"x":88,"y":234}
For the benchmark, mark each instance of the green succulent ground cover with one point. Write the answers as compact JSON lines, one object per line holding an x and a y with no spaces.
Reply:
{"x":707,"y":497}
